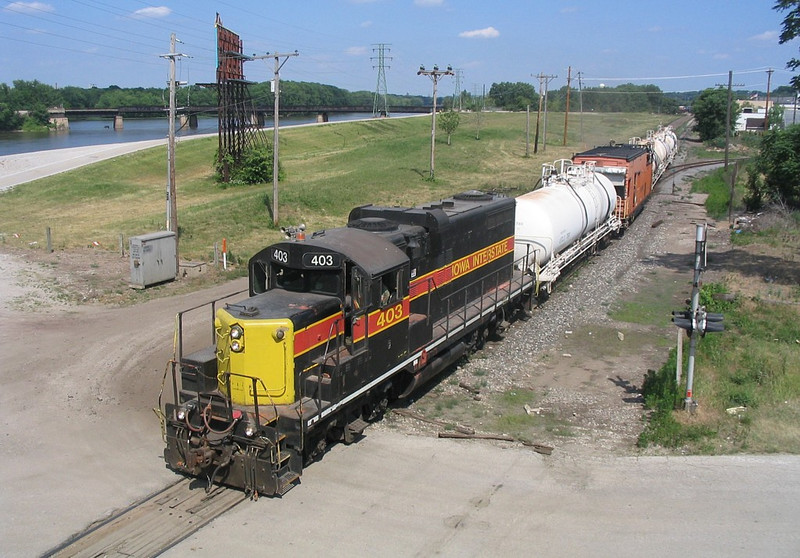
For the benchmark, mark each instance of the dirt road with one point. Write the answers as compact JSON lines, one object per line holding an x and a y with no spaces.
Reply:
{"x":81,"y":439}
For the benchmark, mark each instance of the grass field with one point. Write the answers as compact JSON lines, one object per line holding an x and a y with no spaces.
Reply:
{"x":328,"y":170}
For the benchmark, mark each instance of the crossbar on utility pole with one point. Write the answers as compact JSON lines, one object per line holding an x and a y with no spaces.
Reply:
{"x":276,"y":84}
{"x":434,"y":74}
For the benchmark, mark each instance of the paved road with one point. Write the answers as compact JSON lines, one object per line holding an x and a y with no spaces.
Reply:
{"x":24,"y":167}
{"x":395,"y":495}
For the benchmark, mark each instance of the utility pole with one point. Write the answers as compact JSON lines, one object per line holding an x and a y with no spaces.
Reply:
{"x":566,"y":111}
{"x":728,"y":140}
{"x":434,"y":74}
{"x":527,"y":130}
{"x":380,"y":88}
{"x":580,"y":102}
{"x":544,"y":80}
{"x":276,"y":85}
{"x":172,"y":194}
{"x":766,"y":106}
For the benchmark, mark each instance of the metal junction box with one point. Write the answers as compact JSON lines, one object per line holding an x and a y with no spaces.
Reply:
{"x":153,"y":259}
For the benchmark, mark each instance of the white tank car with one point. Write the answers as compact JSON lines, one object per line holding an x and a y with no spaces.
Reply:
{"x":664,"y":145}
{"x":573,"y":201}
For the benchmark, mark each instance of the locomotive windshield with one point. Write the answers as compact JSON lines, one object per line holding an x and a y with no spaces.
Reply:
{"x":327,"y":282}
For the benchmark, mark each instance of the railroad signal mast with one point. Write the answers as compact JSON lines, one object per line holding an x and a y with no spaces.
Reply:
{"x":695,"y":321}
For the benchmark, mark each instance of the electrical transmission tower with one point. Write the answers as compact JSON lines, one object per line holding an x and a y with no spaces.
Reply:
{"x":457,"y":92}
{"x":380,"y":106}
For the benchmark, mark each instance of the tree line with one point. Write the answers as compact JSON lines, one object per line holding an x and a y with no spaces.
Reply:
{"x":29,"y":100}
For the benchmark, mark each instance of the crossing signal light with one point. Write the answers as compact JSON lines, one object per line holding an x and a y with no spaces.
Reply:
{"x":714,"y":323}
{"x":683,"y":319}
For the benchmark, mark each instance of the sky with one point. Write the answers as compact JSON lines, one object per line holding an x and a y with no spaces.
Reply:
{"x":680,"y":45}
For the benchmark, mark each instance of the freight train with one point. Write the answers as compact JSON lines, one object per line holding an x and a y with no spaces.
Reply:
{"x":339,"y":323}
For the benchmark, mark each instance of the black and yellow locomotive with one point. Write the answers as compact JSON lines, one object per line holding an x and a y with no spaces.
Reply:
{"x":336,"y":325}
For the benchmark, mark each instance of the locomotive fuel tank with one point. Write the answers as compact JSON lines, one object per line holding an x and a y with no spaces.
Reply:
{"x":571,"y":203}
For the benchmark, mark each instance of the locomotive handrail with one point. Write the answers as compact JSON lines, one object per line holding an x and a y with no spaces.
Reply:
{"x":325,"y":357}
{"x":254,"y":381}
{"x":177,"y":349}
{"x":479,"y":301}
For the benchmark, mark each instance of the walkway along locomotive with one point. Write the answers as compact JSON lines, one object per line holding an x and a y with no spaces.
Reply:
{"x":338,"y":324}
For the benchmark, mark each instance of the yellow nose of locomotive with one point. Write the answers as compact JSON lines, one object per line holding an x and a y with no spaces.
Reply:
{"x":256,"y":359}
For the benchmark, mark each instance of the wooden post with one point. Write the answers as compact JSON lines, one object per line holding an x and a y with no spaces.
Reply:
{"x":49,"y":241}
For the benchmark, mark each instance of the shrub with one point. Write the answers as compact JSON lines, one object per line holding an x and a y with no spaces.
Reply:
{"x":254,"y":167}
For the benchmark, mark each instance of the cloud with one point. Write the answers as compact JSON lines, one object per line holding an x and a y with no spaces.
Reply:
{"x":721,"y":56}
{"x":569,"y":10}
{"x":356,"y":51}
{"x":487,"y":33}
{"x":366,"y":24}
{"x":428,"y":3}
{"x":765,"y":36}
{"x":28,"y":7}
{"x":152,"y":12}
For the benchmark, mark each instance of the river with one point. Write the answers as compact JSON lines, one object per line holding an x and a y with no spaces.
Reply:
{"x":101,"y":132}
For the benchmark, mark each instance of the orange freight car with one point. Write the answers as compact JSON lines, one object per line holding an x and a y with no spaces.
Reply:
{"x":630,"y":169}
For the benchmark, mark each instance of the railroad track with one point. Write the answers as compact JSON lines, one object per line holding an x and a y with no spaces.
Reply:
{"x":675,"y":169}
{"x":151,"y":526}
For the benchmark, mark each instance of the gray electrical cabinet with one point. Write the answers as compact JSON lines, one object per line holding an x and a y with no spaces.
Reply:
{"x":153,"y":259}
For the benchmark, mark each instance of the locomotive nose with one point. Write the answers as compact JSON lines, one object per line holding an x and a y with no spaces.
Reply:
{"x":255,"y":358}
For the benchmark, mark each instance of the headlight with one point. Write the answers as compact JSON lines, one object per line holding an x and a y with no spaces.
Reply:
{"x":250,"y":430}
{"x":237,"y":332}
{"x":236,"y":346}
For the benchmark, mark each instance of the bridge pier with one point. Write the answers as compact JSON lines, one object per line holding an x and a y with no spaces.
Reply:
{"x":60,"y":123}
{"x":189,"y":120}
{"x":58,"y":119}
{"x":322,"y":117}
{"x":118,"y":122}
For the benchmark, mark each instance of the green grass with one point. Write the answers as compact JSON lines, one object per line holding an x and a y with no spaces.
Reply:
{"x":653,"y":302}
{"x":717,"y":185}
{"x":754,"y":364}
{"x":329,"y":170}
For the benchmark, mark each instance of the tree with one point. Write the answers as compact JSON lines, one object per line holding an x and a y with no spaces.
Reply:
{"x":9,"y":119}
{"x":448,"y":121}
{"x":774,"y":175}
{"x":791,"y":29}
{"x":775,"y":116}
{"x":513,"y":96}
{"x":710,"y":111}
